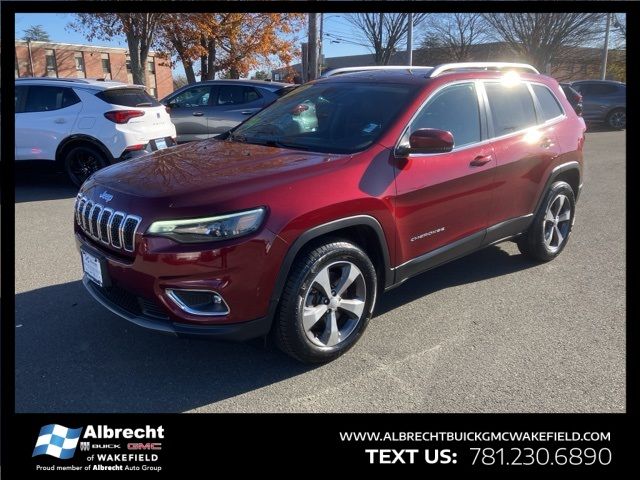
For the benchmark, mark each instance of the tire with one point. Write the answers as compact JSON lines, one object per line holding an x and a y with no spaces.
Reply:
{"x":617,"y":119}
{"x":315,"y":326}
{"x":82,"y":161}
{"x":549,"y":232}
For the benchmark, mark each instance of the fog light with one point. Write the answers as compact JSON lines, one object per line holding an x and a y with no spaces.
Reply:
{"x":199,"y":302}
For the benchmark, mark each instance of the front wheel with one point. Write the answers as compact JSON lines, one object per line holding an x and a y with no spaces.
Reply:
{"x":327,"y":302}
{"x":83,"y":161}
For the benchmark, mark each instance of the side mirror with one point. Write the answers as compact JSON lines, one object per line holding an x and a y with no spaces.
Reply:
{"x":431,"y":140}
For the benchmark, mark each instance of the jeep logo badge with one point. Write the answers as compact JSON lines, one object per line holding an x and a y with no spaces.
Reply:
{"x":107,"y":197}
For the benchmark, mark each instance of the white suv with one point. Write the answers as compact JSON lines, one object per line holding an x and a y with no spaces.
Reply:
{"x":85,"y":125}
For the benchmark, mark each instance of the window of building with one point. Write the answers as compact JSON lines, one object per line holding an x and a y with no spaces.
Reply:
{"x":17,"y":65}
{"x":151,"y":66}
{"x":106,"y":66}
{"x":50,"y":58}
{"x":548,"y":103}
{"x":454,"y":109}
{"x":276,"y":77}
{"x":79,"y":60}
{"x":153,"y":92}
{"x":128,"y":63}
{"x":511,"y":107}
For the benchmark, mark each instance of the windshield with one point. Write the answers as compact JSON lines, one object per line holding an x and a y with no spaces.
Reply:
{"x":332,"y":117}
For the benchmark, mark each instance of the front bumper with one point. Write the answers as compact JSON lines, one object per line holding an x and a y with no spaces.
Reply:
{"x":235,"y":331}
{"x":136,"y":287}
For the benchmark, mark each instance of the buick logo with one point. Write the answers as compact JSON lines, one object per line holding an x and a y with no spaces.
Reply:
{"x":107,"y":197}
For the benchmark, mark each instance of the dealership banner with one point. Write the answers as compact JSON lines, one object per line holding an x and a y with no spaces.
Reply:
{"x":166,"y":445}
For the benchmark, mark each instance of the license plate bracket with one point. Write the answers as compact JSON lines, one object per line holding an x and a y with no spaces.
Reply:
{"x":94,"y":267}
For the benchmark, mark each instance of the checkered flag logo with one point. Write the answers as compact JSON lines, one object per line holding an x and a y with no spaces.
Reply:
{"x":57,"y":441}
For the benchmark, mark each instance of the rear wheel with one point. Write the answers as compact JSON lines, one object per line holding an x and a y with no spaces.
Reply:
{"x":549,"y":233}
{"x":327,"y":302}
{"x":617,"y":119}
{"x":83,"y":161}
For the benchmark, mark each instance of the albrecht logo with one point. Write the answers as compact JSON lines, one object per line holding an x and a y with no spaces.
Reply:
{"x":57,"y":441}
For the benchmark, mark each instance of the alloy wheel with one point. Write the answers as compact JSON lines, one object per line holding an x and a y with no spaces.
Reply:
{"x":334,"y":304}
{"x":618,"y":120}
{"x":83,"y":165}
{"x":556,"y":223}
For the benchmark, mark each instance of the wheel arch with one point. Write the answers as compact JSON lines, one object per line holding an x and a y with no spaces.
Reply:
{"x":363,"y":230}
{"x":567,"y":172}
{"x":80,"y":139}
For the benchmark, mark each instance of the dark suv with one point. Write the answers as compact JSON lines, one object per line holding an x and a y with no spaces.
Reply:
{"x":299,"y":218}
{"x":604,"y":101}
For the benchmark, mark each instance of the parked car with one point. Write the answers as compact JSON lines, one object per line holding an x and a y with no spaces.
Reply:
{"x":85,"y":125}
{"x":296,"y":228}
{"x":205,"y":109}
{"x":604,"y":101}
{"x":575,"y":99}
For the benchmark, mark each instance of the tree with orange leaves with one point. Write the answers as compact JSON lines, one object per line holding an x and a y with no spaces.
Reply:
{"x":230,"y":42}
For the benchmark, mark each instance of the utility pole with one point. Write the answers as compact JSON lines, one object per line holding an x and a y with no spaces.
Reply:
{"x":320,"y":59}
{"x":410,"y":40}
{"x":313,"y":47}
{"x":380,"y":31}
{"x":605,"y":50}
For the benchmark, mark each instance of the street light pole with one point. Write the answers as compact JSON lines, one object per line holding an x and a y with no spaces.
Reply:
{"x":605,"y":50}
{"x":410,"y":40}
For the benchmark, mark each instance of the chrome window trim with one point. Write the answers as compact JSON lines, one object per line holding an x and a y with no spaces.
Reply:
{"x":480,"y":83}
{"x":185,"y":308}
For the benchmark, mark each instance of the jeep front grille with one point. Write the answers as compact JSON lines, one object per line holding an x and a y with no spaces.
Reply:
{"x":114,"y":228}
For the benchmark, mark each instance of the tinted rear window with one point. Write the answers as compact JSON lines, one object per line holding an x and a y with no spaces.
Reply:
{"x":550,"y":106}
{"x":511,"y":107}
{"x":128,"y":97}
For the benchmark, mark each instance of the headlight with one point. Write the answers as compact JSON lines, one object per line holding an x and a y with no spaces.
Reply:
{"x":222,"y":227}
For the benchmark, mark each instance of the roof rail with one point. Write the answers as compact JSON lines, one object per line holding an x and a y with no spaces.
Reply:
{"x":54,"y":79}
{"x":445,"y":67}
{"x":339,"y":71}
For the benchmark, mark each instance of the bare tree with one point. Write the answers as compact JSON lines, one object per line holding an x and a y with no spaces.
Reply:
{"x":454,"y":34}
{"x":139,"y":29}
{"x":543,"y":37}
{"x":383,"y":32}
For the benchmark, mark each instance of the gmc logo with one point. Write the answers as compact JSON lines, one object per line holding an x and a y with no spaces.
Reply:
{"x":144,"y":446}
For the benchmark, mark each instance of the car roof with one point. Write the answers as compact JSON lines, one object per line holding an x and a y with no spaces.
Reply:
{"x":609,"y":82}
{"x":91,"y":83}
{"x":255,"y":83}
{"x":420,"y":77}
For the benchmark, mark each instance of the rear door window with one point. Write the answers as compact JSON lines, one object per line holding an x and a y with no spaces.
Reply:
{"x":511,"y":107}
{"x":548,"y":103}
{"x":236,"y":95}
{"x":128,"y":97}
{"x":45,"y":99}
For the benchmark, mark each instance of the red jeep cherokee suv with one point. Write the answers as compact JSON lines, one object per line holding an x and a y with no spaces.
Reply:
{"x":296,"y":220}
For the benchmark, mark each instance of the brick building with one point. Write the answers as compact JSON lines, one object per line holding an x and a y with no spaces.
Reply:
{"x":577,"y":63}
{"x":63,"y":60}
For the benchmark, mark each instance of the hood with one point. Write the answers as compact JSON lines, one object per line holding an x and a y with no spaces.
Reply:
{"x":207,"y":166}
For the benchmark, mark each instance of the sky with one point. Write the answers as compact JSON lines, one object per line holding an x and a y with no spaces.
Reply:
{"x":339,"y":42}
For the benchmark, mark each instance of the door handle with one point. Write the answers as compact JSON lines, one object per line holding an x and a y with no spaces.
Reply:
{"x":59,"y":120}
{"x":480,"y":160}
{"x":546,"y":143}
{"x":197,"y":114}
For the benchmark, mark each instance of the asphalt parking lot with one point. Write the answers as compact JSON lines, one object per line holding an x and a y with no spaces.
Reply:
{"x":492,"y":332}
